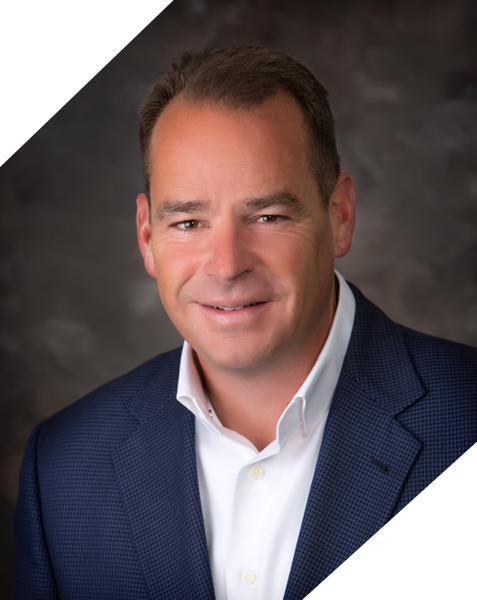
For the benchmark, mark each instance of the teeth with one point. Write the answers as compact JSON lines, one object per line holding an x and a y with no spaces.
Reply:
{"x":236,"y":308}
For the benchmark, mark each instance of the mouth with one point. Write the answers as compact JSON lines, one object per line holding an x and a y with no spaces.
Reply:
{"x":233,"y":314}
{"x":234,"y":308}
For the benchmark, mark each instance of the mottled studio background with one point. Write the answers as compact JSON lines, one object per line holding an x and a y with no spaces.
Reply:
{"x":77,"y":307}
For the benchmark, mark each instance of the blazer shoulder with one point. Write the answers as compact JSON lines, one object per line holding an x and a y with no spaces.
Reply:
{"x":396,"y":365}
{"x":109,"y":411}
{"x":377,"y":335}
{"x":437,"y":344}
{"x":441,"y":360}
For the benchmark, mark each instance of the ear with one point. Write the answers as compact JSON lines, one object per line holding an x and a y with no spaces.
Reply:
{"x":144,"y":233}
{"x":342,"y":207}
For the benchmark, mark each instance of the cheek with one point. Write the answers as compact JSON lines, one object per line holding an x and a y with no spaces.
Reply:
{"x":301,"y":255}
{"x":175,"y":265}
{"x":168,"y":273}
{"x":305,"y":265}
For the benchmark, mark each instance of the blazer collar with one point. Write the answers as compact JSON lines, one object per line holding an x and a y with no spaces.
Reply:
{"x":157,"y":476}
{"x":366,"y":454}
{"x":378,"y":358}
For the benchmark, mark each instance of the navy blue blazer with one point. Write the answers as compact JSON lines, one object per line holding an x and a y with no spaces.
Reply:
{"x":109,"y":503}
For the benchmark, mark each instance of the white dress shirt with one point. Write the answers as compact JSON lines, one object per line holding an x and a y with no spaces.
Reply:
{"x":253,"y":502}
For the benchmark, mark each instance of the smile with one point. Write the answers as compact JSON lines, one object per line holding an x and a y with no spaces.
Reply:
{"x":236,"y":307}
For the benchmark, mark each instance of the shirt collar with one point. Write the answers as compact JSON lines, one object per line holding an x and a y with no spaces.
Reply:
{"x":318,"y":388}
{"x":312,"y":401}
{"x":190,"y":389}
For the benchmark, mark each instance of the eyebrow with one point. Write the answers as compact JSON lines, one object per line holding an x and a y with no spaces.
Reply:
{"x":172,"y":207}
{"x":283,"y":199}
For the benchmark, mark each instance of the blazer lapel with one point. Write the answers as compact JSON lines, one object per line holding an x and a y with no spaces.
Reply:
{"x":366,"y":454}
{"x":157,"y":476}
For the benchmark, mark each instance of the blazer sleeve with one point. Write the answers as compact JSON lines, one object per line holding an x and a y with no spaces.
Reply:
{"x":33,"y":575}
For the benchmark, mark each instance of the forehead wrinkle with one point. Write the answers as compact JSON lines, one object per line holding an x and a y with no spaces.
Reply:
{"x":171,"y":207}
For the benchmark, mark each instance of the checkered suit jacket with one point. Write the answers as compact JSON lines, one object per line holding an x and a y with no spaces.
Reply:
{"x":109,"y":503}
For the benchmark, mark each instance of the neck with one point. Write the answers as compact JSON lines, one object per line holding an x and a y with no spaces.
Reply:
{"x":251,"y":401}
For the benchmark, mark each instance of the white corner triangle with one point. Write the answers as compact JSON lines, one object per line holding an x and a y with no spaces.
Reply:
{"x":429,"y":550}
{"x":50,"y":49}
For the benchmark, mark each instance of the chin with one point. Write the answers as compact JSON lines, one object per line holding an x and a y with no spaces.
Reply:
{"x":233,"y":356}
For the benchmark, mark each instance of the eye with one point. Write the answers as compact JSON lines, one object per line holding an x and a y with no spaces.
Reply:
{"x":188,"y":225}
{"x":268,"y":218}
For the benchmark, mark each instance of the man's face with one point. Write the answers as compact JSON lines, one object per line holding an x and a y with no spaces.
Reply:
{"x":239,"y":241}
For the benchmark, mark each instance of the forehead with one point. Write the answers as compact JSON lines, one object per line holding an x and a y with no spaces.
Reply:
{"x":212,"y":149}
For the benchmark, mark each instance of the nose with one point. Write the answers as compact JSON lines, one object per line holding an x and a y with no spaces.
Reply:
{"x":229,"y":253}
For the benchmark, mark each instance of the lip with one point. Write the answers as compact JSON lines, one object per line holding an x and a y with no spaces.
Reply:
{"x":234,"y":313}
{"x":234,"y":307}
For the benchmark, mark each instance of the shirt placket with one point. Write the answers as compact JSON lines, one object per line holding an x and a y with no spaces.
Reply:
{"x":246,"y":558}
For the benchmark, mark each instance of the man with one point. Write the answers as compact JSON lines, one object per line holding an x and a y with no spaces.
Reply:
{"x":296,"y":420}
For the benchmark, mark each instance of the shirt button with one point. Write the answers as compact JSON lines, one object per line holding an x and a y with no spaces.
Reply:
{"x":248,"y":577}
{"x":256,"y":471}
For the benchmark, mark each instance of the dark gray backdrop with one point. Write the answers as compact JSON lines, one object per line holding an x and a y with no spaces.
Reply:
{"x":77,"y":307}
